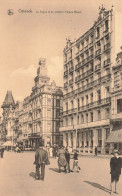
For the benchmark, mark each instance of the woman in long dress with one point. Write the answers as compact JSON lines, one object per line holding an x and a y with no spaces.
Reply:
{"x":115,"y":166}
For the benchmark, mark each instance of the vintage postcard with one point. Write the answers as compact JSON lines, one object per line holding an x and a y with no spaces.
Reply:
{"x":60,"y":98}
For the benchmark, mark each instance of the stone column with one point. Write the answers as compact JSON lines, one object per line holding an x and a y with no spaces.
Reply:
{"x":64,"y":139}
{"x":95,"y":139}
{"x":80,"y":139}
{"x":103,"y":140}
{"x":74,"y":139}
{"x":69,"y":139}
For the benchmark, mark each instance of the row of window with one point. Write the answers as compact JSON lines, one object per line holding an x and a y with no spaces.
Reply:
{"x":85,"y":139}
{"x":87,"y":99}
{"x":87,"y":117}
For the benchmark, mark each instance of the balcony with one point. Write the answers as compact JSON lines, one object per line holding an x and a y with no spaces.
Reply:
{"x":87,"y":73}
{"x":66,"y":73}
{"x":78,"y":66}
{"x":65,"y":84}
{"x":107,"y":46}
{"x":98,"y":67}
{"x":71,"y":70}
{"x":95,"y":104}
{"x":71,"y":82}
{"x":68,"y":112}
{"x":98,"y":52}
{"x":106,"y":62}
{"x":98,"y":36}
{"x":106,"y":31}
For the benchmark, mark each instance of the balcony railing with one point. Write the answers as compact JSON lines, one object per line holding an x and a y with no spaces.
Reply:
{"x":98,"y":67}
{"x":87,"y":86}
{"x":65,"y":84}
{"x":83,"y":75}
{"x":106,"y":31}
{"x":88,"y":106}
{"x":106,"y":62}
{"x":107,"y":46}
{"x":78,"y":65}
{"x":98,"y":52}
{"x":71,"y":69}
{"x":66,"y":73}
{"x":71,"y":82}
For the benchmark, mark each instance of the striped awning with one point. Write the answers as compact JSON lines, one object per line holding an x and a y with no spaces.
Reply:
{"x":115,"y":137}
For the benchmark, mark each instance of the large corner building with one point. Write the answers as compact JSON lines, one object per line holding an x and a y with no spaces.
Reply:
{"x":88,"y":83}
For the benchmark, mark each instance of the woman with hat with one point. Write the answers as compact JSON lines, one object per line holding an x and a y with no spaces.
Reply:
{"x":115,"y":166}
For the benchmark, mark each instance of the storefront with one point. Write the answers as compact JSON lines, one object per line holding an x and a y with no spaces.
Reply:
{"x":115,"y":141}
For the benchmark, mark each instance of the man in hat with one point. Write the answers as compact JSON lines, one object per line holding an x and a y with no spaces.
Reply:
{"x":67,"y":156}
{"x":115,"y":170}
{"x":41,"y":159}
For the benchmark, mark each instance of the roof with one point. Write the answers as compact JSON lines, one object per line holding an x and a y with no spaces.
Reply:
{"x":9,"y":100}
{"x":115,"y":137}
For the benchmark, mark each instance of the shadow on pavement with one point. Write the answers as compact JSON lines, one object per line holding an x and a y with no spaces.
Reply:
{"x":54,"y":169}
{"x":32,"y":174}
{"x":96,"y":185}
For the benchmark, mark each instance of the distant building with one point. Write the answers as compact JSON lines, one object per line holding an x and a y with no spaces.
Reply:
{"x":88,"y":63}
{"x":8,"y":106}
{"x":41,"y":110}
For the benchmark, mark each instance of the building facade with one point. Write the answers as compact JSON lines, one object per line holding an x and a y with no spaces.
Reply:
{"x":115,"y":138}
{"x":37,"y":118}
{"x":88,"y":63}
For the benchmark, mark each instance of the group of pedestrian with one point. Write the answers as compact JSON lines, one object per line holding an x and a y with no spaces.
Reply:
{"x":64,"y":161}
{"x":41,"y":159}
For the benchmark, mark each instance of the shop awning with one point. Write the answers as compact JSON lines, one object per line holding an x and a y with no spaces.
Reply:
{"x":115,"y":137}
{"x":8,"y":143}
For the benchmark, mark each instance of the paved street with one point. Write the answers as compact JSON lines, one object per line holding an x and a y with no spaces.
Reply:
{"x":17,"y":177}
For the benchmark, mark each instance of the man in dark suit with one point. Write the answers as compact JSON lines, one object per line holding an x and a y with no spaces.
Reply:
{"x":67,"y":155}
{"x":41,"y":159}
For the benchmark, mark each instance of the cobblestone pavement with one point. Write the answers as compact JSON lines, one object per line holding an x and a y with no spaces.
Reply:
{"x":17,"y":177}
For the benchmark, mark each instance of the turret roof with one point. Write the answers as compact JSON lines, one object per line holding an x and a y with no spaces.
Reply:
{"x":9,"y":100}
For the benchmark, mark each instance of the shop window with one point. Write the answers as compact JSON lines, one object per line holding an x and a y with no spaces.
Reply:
{"x":99,"y":137}
{"x":119,"y":105}
{"x":57,"y":102}
{"x":78,"y":143}
{"x":107,"y":132}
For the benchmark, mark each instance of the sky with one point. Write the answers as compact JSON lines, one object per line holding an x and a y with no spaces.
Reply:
{"x":26,"y":37}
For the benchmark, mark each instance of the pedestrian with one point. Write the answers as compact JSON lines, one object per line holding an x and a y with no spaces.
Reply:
{"x":115,"y":170}
{"x":75,"y":162}
{"x":96,"y":151}
{"x":67,"y":155}
{"x":54,"y":151}
{"x":2,"y":152}
{"x":41,"y":159}
{"x":62,"y":159}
